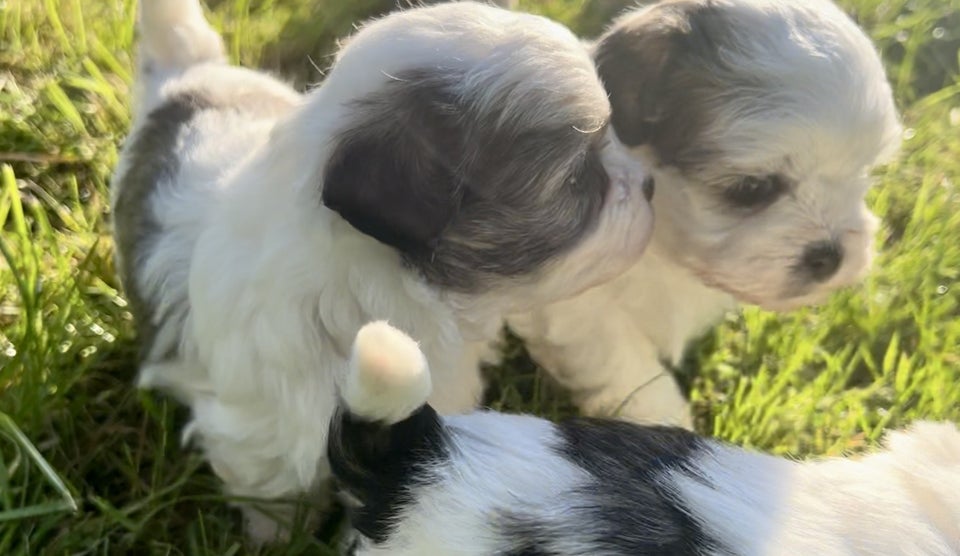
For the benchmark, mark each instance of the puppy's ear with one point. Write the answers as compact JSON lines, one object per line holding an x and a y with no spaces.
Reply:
{"x":652,"y":64}
{"x":631,"y":63}
{"x":393,"y":176}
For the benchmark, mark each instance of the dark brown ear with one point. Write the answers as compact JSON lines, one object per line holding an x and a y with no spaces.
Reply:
{"x":394,"y":176}
{"x":654,"y":64}
{"x":467,"y":196}
{"x":631,"y":62}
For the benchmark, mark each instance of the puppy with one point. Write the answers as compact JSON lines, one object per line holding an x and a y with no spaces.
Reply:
{"x":487,"y":483}
{"x":761,"y":121}
{"x":455,"y":165}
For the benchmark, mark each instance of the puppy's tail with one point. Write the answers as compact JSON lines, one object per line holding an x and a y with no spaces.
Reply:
{"x":174,"y":35}
{"x":383,"y":433}
{"x":388,"y":378}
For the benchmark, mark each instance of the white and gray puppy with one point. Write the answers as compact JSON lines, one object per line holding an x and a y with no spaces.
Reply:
{"x":761,"y":120}
{"x":488,"y":484}
{"x":456,"y":164}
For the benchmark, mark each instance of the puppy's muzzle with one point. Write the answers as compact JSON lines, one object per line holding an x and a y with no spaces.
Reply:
{"x":821,"y":260}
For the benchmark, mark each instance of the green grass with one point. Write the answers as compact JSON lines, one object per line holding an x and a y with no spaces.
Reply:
{"x":88,"y":465}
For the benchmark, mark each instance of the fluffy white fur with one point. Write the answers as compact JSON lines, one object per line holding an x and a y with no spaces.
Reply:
{"x":821,"y":114}
{"x":489,"y":483}
{"x":904,"y":499}
{"x":388,"y":369}
{"x":257,"y":290}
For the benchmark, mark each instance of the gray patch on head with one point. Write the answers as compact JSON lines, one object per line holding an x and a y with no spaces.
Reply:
{"x":466,"y":196}
{"x":663,"y":69}
{"x":152,"y":160}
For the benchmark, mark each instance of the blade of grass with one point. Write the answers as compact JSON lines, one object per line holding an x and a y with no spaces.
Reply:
{"x":10,"y":427}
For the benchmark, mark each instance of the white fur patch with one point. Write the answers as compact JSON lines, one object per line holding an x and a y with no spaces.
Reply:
{"x":388,"y":378}
{"x":902,"y":500}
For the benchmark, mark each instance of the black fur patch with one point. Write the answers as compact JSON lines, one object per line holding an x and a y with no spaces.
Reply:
{"x":629,"y":509}
{"x":464,"y":199}
{"x":532,"y":550}
{"x":399,"y":183}
{"x":528,"y":536}
{"x":152,"y":160}
{"x":381,"y":465}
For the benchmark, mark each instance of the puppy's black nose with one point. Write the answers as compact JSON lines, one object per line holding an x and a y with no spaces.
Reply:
{"x":821,"y":260}
{"x":648,"y":187}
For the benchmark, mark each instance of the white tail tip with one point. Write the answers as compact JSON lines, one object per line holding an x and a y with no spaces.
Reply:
{"x":389,"y":378}
{"x":174,"y":35}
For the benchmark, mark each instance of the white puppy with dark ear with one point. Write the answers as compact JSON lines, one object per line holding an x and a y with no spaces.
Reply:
{"x":455,"y":165}
{"x":761,"y":121}
{"x":488,"y":484}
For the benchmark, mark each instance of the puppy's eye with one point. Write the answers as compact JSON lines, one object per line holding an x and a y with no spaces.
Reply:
{"x":756,"y":191}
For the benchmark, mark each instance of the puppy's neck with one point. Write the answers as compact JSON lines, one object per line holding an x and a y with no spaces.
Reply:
{"x":684,"y":306}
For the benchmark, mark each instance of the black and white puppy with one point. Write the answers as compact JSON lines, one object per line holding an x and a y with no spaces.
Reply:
{"x":488,"y":484}
{"x":761,"y":121}
{"x":455,"y":165}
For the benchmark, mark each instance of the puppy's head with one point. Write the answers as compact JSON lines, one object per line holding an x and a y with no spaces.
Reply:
{"x":475,"y":142}
{"x":762,"y":119}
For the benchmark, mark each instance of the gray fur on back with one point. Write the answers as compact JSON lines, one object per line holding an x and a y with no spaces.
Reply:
{"x":152,"y":160}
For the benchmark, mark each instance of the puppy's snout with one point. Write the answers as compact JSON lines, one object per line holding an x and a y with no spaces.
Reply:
{"x":648,"y":188}
{"x":821,"y":260}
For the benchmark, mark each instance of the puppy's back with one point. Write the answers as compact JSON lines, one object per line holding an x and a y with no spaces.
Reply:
{"x":502,"y":484}
{"x":490,"y":483}
{"x":195,"y":118}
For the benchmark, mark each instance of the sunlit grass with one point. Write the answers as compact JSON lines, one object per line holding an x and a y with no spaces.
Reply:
{"x":88,"y":465}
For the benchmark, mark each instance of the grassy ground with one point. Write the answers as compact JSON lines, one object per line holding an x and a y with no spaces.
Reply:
{"x":90,"y":466}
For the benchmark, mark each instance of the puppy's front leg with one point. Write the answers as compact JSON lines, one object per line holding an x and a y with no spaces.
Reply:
{"x":461,"y":391}
{"x":262,"y":418}
{"x":268,"y":449}
{"x":643,"y":393}
{"x":612,"y":369}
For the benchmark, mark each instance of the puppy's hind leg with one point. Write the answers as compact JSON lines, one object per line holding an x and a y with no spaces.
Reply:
{"x":382,"y":423}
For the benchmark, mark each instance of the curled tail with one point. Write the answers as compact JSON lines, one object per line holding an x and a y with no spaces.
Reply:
{"x":384,"y":438}
{"x":174,"y":35}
